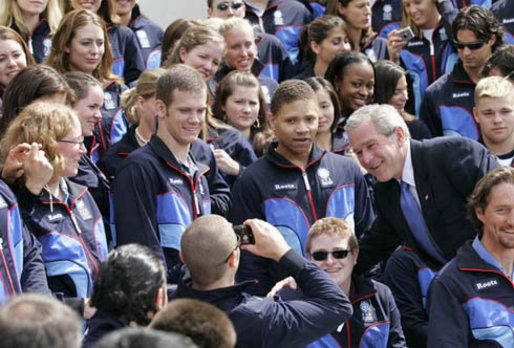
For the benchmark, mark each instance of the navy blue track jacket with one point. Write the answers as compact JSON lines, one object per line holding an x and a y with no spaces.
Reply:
{"x":149,"y":36}
{"x":265,"y":322}
{"x":72,"y":236}
{"x":39,"y":40}
{"x":155,"y":200}
{"x":292,"y":199}
{"x":447,"y":108}
{"x":409,"y":277}
{"x":284,"y":19}
{"x":375,"y":321}
{"x":128,"y":60}
{"x":471,"y":304}
{"x":386,"y":15}
{"x":21,"y":264}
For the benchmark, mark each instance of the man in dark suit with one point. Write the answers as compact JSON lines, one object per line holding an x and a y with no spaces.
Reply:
{"x":423,"y":186}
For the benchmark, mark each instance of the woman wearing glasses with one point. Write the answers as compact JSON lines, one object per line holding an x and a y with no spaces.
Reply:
{"x":60,"y":213}
{"x":332,"y":245}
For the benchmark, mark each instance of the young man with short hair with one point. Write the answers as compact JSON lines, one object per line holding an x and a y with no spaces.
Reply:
{"x":494,"y":112}
{"x":160,"y":188}
{"x":297,"y":182}
{"x":447,"y":107}
{"x":470,"y":301}
{"x":332,"y":245}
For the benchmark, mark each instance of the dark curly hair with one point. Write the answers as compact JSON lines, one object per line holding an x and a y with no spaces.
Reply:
{"x":480,"y":21}
{"x":128,"y":282}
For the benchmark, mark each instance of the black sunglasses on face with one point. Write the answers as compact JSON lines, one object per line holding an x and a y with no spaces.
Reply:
{"x":223,"y":6}
{"x":336,"y":254}
{"x":471,"y":45}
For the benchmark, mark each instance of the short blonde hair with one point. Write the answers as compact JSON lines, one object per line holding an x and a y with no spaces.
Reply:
{"x":493,"y":87}
{"x":44,"y":123}
{"x":333,"y":226}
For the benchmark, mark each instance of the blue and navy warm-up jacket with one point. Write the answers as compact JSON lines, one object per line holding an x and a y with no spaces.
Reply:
{"x":149,"y":36}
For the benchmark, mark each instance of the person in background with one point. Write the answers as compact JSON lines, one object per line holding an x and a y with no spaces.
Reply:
{"x":470,"y":301}
{"x":322,"y":40}
{"x":430,"y":54}
{"x":270,"y":51}
{"x":131,"y":337}
{"x":447,"y":107}
{"x":353,"y":76}
{"x":172,"y":34}
{"x":36,"y":82}
{"x":14,"y":56}
{"x":330,"y":135}
{"x":205,"y":324}
{"x":60,"y":213}
{"x":149,"y":34}
{"x":139,"y":105}
{"x":35,"y":21}
{"x":283,"y":19}
{"x":128,"y":62}
{"x":332,"y":245}
{"x":32,"y":320}
{"x":391,"y":88}
{"x":357,"y":17}
{"x":129,"y":290}
{"x":386,"y":15}
{"x":241,"y":104}
{"x":494,"y":112}
{"x":81,"y":43}
{"x":501,"y":63}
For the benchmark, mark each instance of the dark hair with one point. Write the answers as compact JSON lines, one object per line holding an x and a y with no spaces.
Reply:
{"x":480,"y":21}
{"x":317,"y":83}
{"x":479,"y":198}
{"x":80,"y":83}
{"x":502,"y":60}
{"x":31,"y":83}
{"x":290,"y":91}
{"x":333,"y":9}
{"x":181,"y":77}
{"x":205,"y":324}
{"x":173,"y":33}
{"x":143,"y":338}
{"x":317,"y":31}
{"x":128,"y":282}
{"x":338,"y":68}
{"x":38,"y":321}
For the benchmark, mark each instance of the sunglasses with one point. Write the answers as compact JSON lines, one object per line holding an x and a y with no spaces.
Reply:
{"x":223,"y":6}
{"x":471,"y":45}
{"x":238,"y":244}
{"x":336,"y":254}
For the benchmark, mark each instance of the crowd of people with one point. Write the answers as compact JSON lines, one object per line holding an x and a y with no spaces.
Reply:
{"x":284,"y":173}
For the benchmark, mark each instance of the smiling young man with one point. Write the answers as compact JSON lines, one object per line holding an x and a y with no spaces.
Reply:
{"x":447,"y":106}
{"x":494,"y":111}
{"x":423,"y":186}
{"x":297,"y":182}
{"x":470,"y":301}
{"x":332,"y":245}
{"x":160,"y":188}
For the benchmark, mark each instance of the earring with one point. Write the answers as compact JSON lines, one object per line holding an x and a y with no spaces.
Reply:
{"x":257,"y":123}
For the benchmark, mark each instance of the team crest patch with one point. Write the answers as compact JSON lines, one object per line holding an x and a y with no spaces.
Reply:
{"x":324,"y":175}
{"x":84,"y":212}
{"x":368,"y":312}
{"x":143,"y":38}
{"x":109,"y":101}
{"x":47,"y":45}
{"x":443,"y":35}
{"x":388,"y":13}
{"x":279,"y":20}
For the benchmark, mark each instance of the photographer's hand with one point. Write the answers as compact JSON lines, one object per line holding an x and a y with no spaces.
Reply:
{"x":268,"y":240}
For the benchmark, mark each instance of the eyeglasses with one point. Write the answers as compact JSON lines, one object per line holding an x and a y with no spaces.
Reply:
{"x":471,"y":45}
{"x":75,"y":142}
{"x":336,"y":254}
{"x":238,"y":244}
{"x":223,"y":6}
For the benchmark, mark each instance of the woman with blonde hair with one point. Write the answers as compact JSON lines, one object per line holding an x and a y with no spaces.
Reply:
{"x":139,"y":105}
{"x":60,"y":213}
{"x":36,"y":22}
{"x":81,"y":43}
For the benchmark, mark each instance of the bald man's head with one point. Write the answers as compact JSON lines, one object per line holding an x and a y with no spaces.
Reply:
{"x":206,"y":246}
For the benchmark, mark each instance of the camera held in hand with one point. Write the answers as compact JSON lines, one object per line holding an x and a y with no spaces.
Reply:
{"x":245,"y":234}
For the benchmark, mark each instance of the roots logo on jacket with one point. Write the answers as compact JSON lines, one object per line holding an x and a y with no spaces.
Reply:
{"x":324,"y":175}
{"x":279,"y":20}
{"x":388,"y":13}
{"x":84,"y":211}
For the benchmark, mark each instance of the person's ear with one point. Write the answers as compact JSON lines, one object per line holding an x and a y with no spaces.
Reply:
{"x":475,"y":114}
{"x":160,"y":108}
{"x":272,"y":119}
{"x":479,"y":212}
{"x":400,"y":135}
{"x":314,"y":47}
{"x":340,"y":8}
{"x":492,"y":40}
{"x":182,"y":54}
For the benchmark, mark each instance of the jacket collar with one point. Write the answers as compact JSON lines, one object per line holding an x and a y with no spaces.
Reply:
{"x":459,"y":75}
{"x":315,"y":156}
{"x":163,"y":152}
